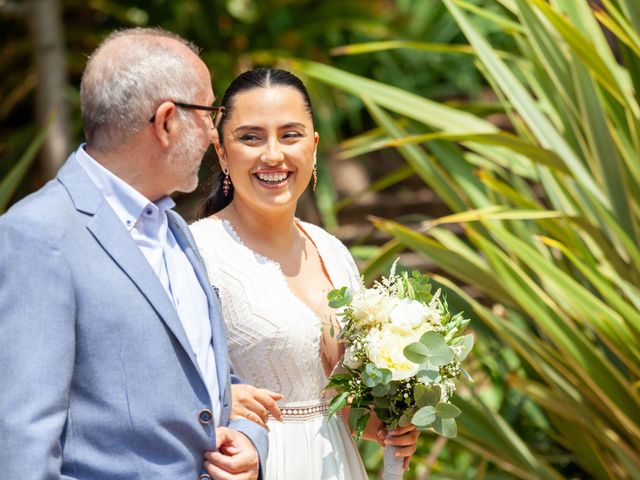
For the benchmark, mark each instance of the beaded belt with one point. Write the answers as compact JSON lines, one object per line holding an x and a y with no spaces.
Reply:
{"x":302,"y":411}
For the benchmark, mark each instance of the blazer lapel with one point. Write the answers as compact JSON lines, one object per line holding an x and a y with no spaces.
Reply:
{"x":109,"y":232}
{"x":219,"y":339}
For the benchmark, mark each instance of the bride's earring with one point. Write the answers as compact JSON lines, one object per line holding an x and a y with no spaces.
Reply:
{"x":315,"y":176}
{"x":226,"y":183}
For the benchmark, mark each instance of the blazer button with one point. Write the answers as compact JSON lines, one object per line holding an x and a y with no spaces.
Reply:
{"x":204,"y":476}
{"x":205,"y":416}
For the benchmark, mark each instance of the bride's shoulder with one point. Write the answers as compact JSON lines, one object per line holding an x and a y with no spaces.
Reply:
{"x":320,"y":234}
{"x":204,"y":225}
{"x":326,"y":241}
{"x":206,"y":232}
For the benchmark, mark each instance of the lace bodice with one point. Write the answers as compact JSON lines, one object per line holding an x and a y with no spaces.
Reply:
{"x":274,"y":337}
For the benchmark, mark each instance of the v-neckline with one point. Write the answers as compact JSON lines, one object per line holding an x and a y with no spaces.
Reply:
{"x":228,"y":228}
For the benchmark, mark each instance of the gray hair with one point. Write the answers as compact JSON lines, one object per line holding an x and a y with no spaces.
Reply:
{"x":120,"y":90}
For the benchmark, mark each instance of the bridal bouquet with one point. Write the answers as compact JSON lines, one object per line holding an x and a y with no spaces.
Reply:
{"x":403,"y":356}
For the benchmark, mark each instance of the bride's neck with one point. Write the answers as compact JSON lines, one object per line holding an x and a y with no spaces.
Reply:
{"x":275,"y":228}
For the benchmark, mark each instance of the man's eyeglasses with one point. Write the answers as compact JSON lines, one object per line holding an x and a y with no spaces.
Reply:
{"x":216,"y":111}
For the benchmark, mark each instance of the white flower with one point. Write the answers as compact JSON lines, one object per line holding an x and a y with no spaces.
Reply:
{"x":411,"y":315}
{"x":350,"y":360}
{"x":385,"y":347}
{"x":371,"y":307}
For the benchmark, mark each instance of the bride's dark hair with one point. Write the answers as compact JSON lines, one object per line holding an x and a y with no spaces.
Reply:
{"x":257,"y":78}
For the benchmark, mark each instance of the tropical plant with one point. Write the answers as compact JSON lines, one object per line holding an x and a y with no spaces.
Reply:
{"x":10,"y":182}
{"x":236,"y":35}
{"x":548,"y":214}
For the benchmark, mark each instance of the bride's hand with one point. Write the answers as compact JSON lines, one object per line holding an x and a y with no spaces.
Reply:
{"x":254,"y":404}
{"x":405,"y":440}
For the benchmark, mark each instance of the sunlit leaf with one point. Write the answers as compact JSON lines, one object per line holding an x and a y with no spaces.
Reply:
{"x":424,"y":417}
{"x":447,"y":410}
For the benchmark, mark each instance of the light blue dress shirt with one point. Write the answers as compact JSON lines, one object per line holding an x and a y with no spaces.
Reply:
{"x":147,"y":224}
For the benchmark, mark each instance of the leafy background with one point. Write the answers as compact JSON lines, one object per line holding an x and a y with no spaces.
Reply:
{"x":493,"y":144}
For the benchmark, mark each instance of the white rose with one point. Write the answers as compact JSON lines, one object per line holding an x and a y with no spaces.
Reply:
{"x":385,"y":349}
{"x":410,"y":314}
{"x":372,"y":307}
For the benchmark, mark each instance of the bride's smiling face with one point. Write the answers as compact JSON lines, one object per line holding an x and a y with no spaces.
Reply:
{"x":269,"y":146}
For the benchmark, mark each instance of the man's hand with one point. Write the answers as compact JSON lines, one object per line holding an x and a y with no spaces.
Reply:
{"x":235,"y":459}
{"x":254,"y":404}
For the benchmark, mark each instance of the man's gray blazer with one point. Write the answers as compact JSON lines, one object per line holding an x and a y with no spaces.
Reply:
{"x":97,"y":377}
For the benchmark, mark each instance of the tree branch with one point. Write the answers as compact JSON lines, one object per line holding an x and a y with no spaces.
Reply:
{"x":49,"y":59}
{"x":14,"y":9}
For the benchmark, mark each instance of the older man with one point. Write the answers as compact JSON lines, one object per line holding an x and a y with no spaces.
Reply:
{"x":113,"y":361}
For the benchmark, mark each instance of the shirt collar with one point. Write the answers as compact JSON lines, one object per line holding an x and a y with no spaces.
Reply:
{"x":126,"y":201}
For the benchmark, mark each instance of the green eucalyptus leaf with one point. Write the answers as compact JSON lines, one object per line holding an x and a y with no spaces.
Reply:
{"x":369,"y":381}
{"x":419,"y":390}
{"x":446,"y":427}
{"x":429,"y":376}
{"x":404,"y":421}
{"x":426,"y":395}
{"x":439,"y":353}
{"x":372,"y":376}
{"x":424,"y":417}
{"x":416,"y":352}
{"x":340,"y":297}
{"x":387,"y":375}
{"x":447,"y":410}
{"x":380,"y":390}
{"x":466,"y":342}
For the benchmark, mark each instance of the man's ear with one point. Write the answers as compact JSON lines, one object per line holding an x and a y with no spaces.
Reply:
{"x":164,"y":122}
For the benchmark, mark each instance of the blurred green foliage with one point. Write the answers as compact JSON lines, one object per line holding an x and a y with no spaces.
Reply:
{"x":539,"y":117}
{"x":236,"y":35}
{"x":542,"y":244}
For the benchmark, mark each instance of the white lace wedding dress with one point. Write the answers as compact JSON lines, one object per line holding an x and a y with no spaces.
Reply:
{"x":274,"y":343}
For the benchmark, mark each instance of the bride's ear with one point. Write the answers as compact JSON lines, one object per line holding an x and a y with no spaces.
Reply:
{"x":219,"y":148}
{"x":316,"y":139}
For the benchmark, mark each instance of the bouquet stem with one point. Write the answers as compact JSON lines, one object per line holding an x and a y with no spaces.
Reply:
{"x":392,"y":465}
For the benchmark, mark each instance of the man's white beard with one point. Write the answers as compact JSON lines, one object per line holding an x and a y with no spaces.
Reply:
{"x":186,"y":155}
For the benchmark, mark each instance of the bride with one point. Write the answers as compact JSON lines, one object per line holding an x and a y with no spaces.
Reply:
{"x":272,"y":272}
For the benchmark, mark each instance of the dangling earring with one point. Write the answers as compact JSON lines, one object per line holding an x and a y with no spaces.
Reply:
{"x":226,"y":183}
{"x":315,"y":176}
